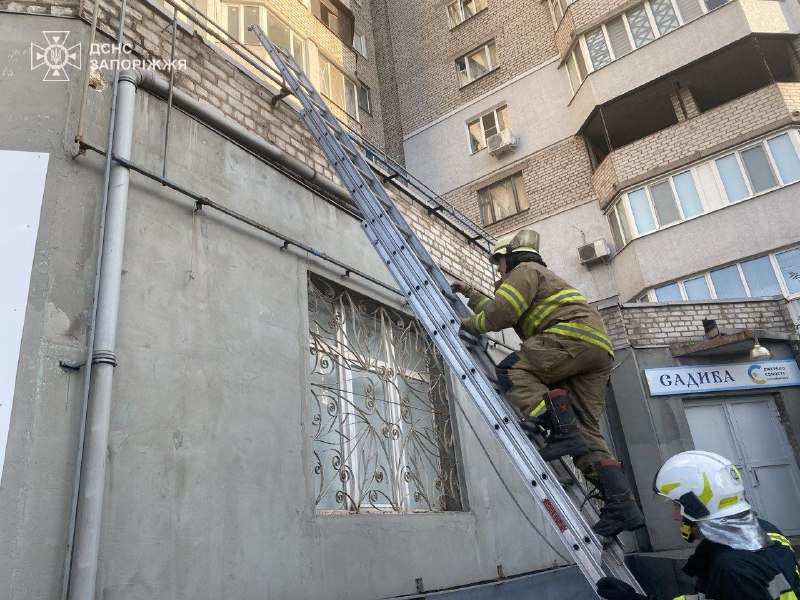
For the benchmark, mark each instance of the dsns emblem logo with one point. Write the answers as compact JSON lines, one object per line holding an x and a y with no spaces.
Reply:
{"x":754,"y":374}
{"x":56,"y":56}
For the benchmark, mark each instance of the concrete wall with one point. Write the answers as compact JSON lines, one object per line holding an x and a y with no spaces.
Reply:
{"x":210,"y":475}
{"x":536,"y":112}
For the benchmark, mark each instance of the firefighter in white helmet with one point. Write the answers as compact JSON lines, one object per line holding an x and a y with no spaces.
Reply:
{"x":740,"y":556}
{"x":562,"y":368}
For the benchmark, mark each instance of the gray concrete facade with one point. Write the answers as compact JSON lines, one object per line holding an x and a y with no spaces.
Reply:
{"x":209,"y":490}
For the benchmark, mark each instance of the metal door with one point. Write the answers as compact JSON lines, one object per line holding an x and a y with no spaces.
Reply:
{"x":748,"y":431}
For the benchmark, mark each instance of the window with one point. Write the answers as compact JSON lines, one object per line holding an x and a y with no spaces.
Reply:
{"x":461,"y":10}
{"x":360,"y":43}
{"x":689,"y":9}
{"x":337,"y":87}
{"x":760,"y":277}
{"x":758,"y":168}
{"x":660,"y":204}
{"x":363,"y":98}
{"x":381,"y":422}
{"x":487,"y":125}
{"x":664,"y":16}
{"x":598,"y":51}
{"x":239,"y":17}
{"x":633,"y":29}
{"x":638,"y":21}
{"x":576,"y":68}
{"x":754,"y":169}
{"x":769,"y":275}
{"x":559,"y":9}
{"x":476,"y":64}
{"x":668,"y":293}
{"x":336,"y":17}
{"x":697,"y":289}
{"x":789,"y":266}
{"x":618,"y":36}
{"x":502,"y":199}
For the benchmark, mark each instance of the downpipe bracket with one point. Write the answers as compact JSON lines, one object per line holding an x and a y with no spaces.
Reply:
{"x":105,"y":357}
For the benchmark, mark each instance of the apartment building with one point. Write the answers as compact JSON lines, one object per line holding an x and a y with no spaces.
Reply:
{"x":654,"y":145}
{"x":264,"y":416}
{"x":270,"y":420}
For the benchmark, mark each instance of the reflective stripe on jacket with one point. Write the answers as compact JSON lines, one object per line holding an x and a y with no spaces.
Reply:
{"x":727,"y":574}
{"x":533,"y":300}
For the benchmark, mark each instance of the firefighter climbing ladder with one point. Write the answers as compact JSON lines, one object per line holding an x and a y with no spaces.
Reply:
{"x":439,"y":311}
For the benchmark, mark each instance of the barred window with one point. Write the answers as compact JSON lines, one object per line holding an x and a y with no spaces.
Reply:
{"x":382,"y":428}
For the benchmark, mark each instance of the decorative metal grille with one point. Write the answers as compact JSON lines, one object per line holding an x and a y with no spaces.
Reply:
{"x":382,"y":428}
{"x":640,"y":26}
{"x":665,"y":16}
{"x":598,"y":51}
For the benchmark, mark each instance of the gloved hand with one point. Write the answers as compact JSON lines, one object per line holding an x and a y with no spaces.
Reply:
{"x":461,"y":287}
{"x":612,"y":588}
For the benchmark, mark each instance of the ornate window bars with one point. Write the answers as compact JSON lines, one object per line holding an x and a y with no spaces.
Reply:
{"x":382,"y":428}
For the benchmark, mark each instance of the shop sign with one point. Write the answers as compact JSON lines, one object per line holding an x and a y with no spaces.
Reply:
{"x":716,"y":378}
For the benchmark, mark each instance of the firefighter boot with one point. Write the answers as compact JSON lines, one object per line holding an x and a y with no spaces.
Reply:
{"x":565,"y":437}
{"x":621,"y":513}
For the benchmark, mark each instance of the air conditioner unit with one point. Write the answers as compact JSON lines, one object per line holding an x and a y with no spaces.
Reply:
{"x":502,"y":142}
{"x":594,"y":252}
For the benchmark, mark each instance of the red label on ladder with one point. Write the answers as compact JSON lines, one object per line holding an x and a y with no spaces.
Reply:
{"x":554,"y":513}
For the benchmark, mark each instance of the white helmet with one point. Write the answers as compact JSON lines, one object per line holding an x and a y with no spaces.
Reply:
{"x":707,"y":485}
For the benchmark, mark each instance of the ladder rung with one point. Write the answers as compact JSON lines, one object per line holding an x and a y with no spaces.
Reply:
{"x":438,"y":311}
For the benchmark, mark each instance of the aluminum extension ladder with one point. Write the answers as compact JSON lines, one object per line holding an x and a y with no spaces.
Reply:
{"x":439,"y":311}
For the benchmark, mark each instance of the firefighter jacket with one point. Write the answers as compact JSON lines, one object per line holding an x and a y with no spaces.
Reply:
{"x":534,"y":300}
{"x":727,"y":574}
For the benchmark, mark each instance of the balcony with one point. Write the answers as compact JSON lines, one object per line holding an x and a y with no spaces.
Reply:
{"x":681,"y":47}
{"x":736,"y":121}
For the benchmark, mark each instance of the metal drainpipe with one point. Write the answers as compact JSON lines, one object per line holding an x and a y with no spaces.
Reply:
{"x":83,"y":573}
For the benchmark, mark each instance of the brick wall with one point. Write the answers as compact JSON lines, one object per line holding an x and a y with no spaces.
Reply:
{"x":565,"y":33}
{"x":387,"y":78}
{"x":449,"y":249}
{"x":425,"y":50}
{"x":214,"y":79}
{"x":709,"y":132}
{"x":665,"y":323}
{"x":556,"y":178}
{"x":588,"y":13}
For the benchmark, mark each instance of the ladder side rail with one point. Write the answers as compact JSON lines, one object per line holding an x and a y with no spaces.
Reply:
{"x":357,"y":188}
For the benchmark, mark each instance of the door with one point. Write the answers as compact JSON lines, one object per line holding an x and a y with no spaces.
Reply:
{"x":747,"y":430}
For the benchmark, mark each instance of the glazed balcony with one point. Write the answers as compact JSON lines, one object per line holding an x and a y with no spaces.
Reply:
{"x":680,"y":47}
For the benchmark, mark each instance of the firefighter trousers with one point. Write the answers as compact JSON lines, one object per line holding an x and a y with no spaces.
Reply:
{"x":549,"y":361}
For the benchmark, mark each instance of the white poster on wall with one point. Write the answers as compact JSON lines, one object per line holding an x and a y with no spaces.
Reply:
{"x":22,"y":176}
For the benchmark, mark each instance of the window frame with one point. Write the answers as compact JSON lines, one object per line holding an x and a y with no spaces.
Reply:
{"x":346,"y":80}
{"x":348,"y":420}
{"x":624,"y":201}
{"x":357,"y":34}
{"x":487,"y":53}
{"x":359,"y":86}
{"x":479,"y":120}
{"x":461,"y":12}
{"x":264,"y":16}
{"x":517,"y":202}
{"x":776,"y":271}
{"x":581,"y":41}
{"x":773,"y":165}
{"x":697,"y":180}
